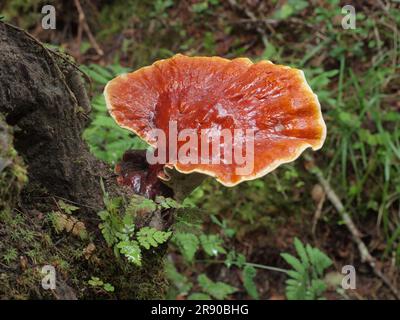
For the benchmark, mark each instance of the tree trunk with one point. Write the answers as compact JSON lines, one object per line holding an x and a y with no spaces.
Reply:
{"x":43,"y":101}
{"x":36,"y":99}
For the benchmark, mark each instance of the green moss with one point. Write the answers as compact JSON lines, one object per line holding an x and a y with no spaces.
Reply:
{"x":36,"y":243}
{"x":13,"y":175}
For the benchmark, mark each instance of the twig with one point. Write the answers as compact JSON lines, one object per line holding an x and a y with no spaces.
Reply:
{"x":362,"y":248}
{"x":250,"y":264}
{"x":318,"y":213}
{"x":261,"y":266}
{"x":85,"y":26}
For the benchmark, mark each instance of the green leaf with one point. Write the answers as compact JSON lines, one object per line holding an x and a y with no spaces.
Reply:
{"x":188,"y":244}
{"x":295,"y":275}
{"x":269,"y":52}
{"x":321,"y":261}
{"x":103,"y":71}
{"x":189,"y":220}
{"x":103,"y":215}
{"x":150,"y":237}
{"x":108,"y":234}
{"x":284,"y":12}
{"x":294,"y":262}
{"x":167,"y":203}
{"x":66,"y":207}
{"x":199,"y":296}
{"x":128,"y":224}
{"x":96,"y":74}
{"x":108,"y":287}
{"x":249,"y":274}
{"x":212,"y":244}
{"x":305,"y":280}
{"x":218,"y":290}
{"x":95,"y":282}
{"x":200,"y":7}
{"x":11,"y":255}
{"x":180,"y":281}
{"x":290,"y":8}
{"x":105,"y":122}
{"x":131,"y":250}
{"x":291,"y":294}
{"x":349,"y":119}
{"x":241,"y":260}
{"x":230,"y":258}
{"x":140,"y":204}
{"x":301,"y":251}
{"x":318,"y":286}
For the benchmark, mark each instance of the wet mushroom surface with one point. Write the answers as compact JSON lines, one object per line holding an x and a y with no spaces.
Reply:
{"x":271,"y":105}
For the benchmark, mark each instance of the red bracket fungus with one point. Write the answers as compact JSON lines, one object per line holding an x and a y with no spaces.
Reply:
{"x":212,"y":94}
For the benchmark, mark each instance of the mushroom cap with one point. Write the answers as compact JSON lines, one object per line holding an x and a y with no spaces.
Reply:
{"x":203,"y":93}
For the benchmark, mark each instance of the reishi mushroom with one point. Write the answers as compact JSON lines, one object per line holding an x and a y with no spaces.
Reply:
{"x":274,"y":102}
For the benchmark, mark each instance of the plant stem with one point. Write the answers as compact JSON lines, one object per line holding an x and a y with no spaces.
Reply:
{"x":250,"y":264}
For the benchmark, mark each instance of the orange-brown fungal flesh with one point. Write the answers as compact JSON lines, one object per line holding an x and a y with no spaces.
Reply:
{"x":211,"y":92}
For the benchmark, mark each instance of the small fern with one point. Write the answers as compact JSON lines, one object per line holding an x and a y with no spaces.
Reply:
{"x":98,"y":283}
{"x":188,"y":244}
{"x":212,"y":244}
{"x":150,"y":237}
{"x":131,"y":250}
{"x":120,"y":232}
{"x":305,"y":279}
{"x":249,"y":274}
{"x":66,"y":207}
{"x":218,"y":290}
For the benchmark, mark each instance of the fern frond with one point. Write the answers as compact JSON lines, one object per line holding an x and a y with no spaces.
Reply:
{"x":150,"y":237}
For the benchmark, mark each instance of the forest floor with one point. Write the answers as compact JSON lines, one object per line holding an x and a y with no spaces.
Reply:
{"x":355,"y":73}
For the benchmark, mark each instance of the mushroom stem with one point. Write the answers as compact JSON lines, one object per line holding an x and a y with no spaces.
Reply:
{"x":155,"y":180}
{"x":182,"y":184}
{"x":135,"y":172}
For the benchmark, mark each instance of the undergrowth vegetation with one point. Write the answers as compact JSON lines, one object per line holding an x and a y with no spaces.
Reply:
{"x":120,"y":232}
{"x":237,"y":242}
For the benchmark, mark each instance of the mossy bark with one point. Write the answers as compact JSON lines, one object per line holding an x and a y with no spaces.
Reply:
{"x":47,"y":110}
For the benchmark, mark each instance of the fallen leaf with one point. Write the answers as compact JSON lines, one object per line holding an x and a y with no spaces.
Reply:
{"x":88,"y":251}
{"x":70,"y":224}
